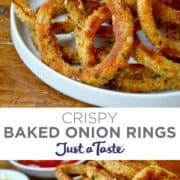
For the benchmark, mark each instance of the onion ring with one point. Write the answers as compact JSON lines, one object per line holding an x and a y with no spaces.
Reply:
{"x":28,"y":16}
{"x":174,"y":33}
{"x":126,"y":169}
{"x":145,"y":84}
{"x":119,"y":54}
{"x":82,"y":10}
{"x":85,"y":37}
{"x":162,"y":11}
{"x":172,"y":3}
{"x":136,"y":71}
{"x":158,"y":63}
{"x":62,"y":172}
{"x":166,"y":13}
{"x":155,"y":173}
{"x":71,"y":55}
{"x":95,"y":173}
{"x":88,"y":171}
{"x":169,"y":47}
{"x":132,"y":3}
{"x":101,"y":73}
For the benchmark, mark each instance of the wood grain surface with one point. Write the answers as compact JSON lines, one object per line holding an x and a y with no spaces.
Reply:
{"x":18,"y":86}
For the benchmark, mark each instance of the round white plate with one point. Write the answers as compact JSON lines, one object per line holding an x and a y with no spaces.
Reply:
{"x":6,"y":174}
{"x":34,"y":171}
{"x":77,"y":90}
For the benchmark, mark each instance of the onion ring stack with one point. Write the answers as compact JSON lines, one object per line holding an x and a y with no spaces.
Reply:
{"x":156,"y":69}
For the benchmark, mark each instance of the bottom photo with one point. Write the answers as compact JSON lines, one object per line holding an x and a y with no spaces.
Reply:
{"x":89,"y":170}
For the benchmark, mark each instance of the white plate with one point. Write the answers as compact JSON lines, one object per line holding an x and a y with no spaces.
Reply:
{"x":45,"y":173}
{"x":6,"y":174}
{"x":77,"y":90}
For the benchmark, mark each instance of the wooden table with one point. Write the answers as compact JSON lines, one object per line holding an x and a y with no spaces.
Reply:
{"x":7,"y":165}
{"x":18,"y":86}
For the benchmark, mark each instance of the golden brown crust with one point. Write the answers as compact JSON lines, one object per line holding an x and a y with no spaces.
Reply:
{"x":114,"y":169}
{"x":156,"y":173}
{"x":156,"y":62}
{"x":166,"y":13}
{"x":101,"y":73}
{"x":167,"y":46}
{"x":85,"y":36}
{"x":171,"y":165}
{"x":155,"y":72}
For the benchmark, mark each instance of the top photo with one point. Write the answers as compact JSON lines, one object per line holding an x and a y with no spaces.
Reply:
{"x":90,"y":53}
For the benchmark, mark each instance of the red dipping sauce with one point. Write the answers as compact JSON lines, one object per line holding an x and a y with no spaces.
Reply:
{"x":46,"y":163}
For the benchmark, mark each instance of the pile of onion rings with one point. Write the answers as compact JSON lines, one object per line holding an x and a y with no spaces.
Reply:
{"x":116,"y":23}
{"x":110,"y":170}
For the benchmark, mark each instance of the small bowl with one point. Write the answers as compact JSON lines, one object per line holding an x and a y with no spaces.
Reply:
{"x":37,"y":171}
{"x":12,"y":175}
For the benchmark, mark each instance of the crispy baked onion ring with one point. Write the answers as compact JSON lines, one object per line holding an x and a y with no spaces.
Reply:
{"x":156,"y":62}
{"x":28,"y":16}
{"x":172,"y":3}
{"x":85,"y":37}
{"x":174,"y":32}
{"x":144,"y":84}
{"x":101,"y":73}
{"x":110,"y":170}
{"x":89,"y":171}
{"x":25,"y":13}
{"x":156,"y":173}
{"x":166,"y":13}
{"x":126,"y":169}
{"x":167,"y":46}
{"x":96,"y":173}
{"x":162,"y":10}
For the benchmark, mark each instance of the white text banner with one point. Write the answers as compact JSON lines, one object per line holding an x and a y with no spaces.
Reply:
{"x":90,"y":133}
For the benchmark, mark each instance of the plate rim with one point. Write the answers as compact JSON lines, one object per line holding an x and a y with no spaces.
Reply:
{"x":36,"y":169}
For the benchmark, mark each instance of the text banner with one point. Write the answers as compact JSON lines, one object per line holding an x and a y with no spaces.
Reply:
{"x":90,"y":133}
